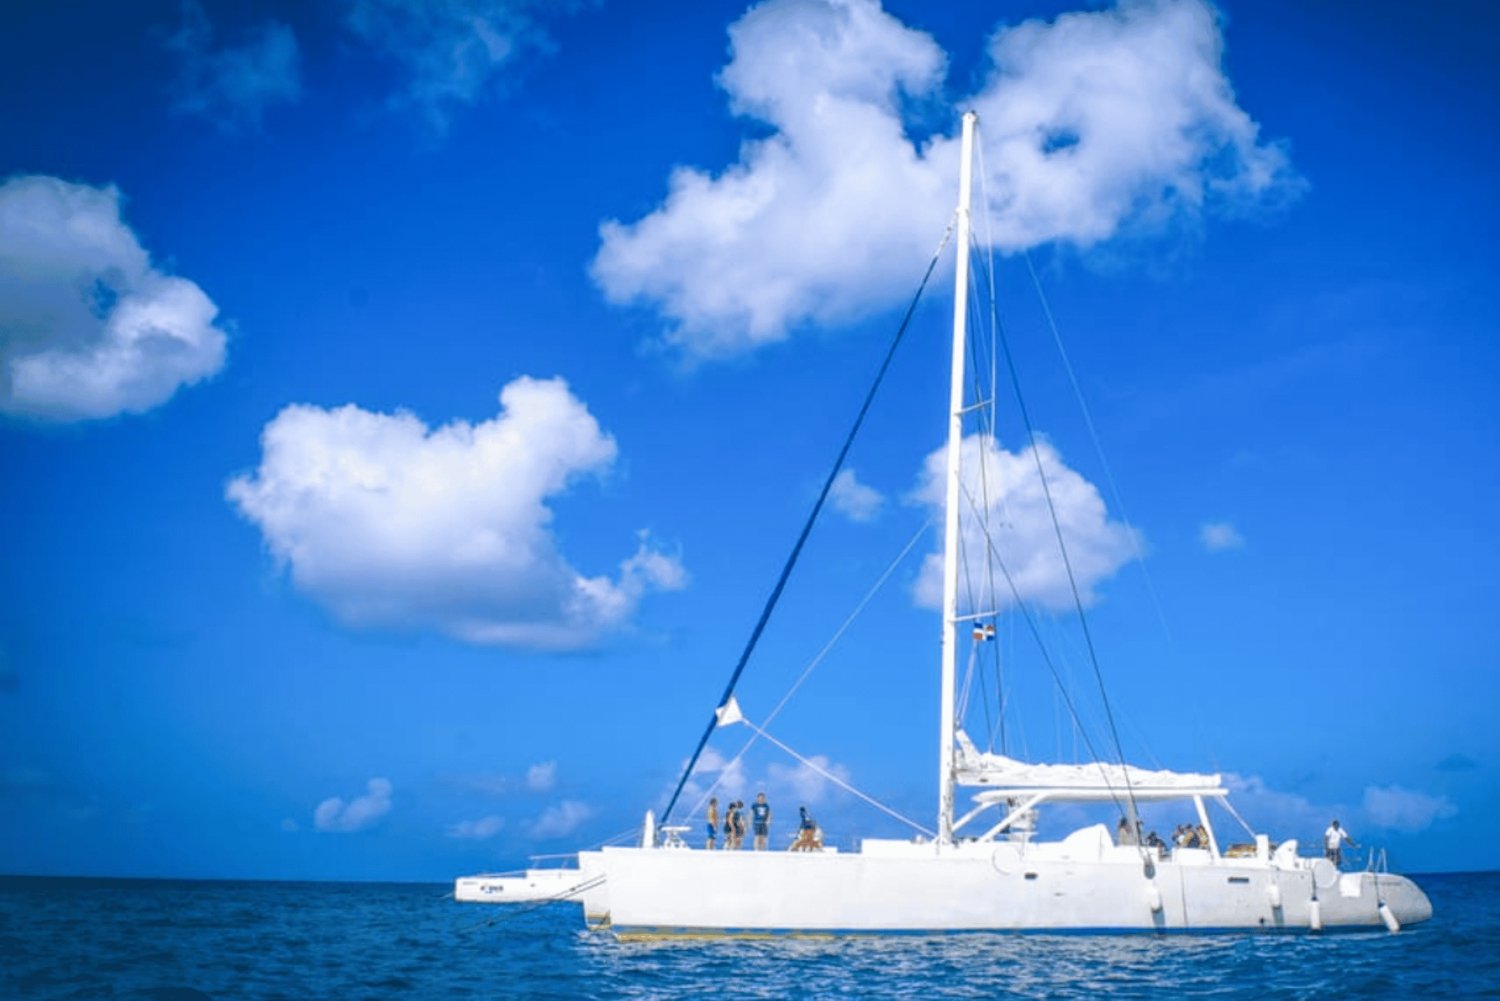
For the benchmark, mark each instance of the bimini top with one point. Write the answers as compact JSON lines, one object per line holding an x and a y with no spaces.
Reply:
{"x":1099,"y":780}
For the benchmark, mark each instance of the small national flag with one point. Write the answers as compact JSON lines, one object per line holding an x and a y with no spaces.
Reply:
{"x":984,"y":631}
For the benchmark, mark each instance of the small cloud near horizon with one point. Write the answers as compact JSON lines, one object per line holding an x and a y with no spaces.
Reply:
{"x":541,"y":777}
{"x":561,"y":819}
{"x":477,"y":830}
{"x":1406,"y":810}
{"x":337,"y":816}
{"x":1218,"y":536}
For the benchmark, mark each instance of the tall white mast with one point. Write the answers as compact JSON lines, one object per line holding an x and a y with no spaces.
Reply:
{"x":950,"y":527}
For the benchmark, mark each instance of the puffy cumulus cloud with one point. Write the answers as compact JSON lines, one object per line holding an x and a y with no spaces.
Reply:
{"x":388,"y":522}
{"x":541,"y":776}
{"x":807,"y":782}
{"x":477,"y":830}
{"x":1218,"y":536}
{"x":561,"y":819}
{"x":1003,"y":490}
{"x":853,"y":499}
{"x":452,"y":52}
{"x":232,"y":85}
{"x":835,"y":204}
{"x":1116,"y":118}
{"x":88,"y":327}
{"x":1092,"y":124}
{"x":1405,"y":809}
{"x":335,"y":815}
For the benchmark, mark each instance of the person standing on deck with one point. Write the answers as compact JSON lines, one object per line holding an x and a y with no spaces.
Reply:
{"x":713,"y":823}
{"x":1333,"y":843}
{"x":760,"y":820}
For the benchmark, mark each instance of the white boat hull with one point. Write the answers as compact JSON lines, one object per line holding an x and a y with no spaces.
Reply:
{"x":530,"y":886}
{"x":903,"y":887}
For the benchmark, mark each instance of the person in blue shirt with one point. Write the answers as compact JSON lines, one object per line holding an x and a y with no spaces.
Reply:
{"x":807,"y":833}
{"x":760,"y":820}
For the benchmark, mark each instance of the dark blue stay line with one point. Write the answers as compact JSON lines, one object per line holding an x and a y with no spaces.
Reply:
{"x":786,"y":571}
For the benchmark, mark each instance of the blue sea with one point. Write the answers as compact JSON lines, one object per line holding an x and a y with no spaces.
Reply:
{"x":165,"y":940}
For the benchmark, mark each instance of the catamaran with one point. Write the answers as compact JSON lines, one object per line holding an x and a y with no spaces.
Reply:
{"x":985,"y":869}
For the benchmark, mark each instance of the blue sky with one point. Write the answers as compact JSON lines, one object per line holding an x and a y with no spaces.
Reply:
{"x":405,"y":415}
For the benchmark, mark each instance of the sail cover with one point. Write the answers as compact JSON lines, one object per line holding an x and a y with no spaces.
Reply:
{"x":973,"y":767}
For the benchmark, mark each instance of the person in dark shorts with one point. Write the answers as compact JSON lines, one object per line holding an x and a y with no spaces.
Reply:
{"x":760,"y":821}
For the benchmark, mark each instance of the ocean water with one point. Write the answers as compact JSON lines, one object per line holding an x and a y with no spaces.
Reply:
{"x":150,"y":940}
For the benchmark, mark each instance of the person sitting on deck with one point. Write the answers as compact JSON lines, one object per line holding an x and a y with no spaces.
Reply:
{"x":807,"y":833}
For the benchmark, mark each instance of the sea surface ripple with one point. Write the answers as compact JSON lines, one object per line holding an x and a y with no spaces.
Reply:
{"x":150,"y":940}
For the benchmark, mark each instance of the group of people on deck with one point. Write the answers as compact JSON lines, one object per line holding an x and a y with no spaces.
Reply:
{"x":808,"y":836}
{"x":1185,"y":836}
{"x":1196,"y":836}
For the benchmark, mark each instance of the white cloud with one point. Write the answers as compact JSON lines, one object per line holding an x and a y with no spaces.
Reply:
{"x":542,"y":776}
{"x":813,"y":219}
{"x":561,"y":819}
{"x":1093,"y":124}
{"x":453,"y":52}
{"x":333,"y":814}
{"x":853,"y":499}
{"x":1404,"y":809}
{"x":1218,"y":536}
{"x":88,"y":327}
{"x":388,"y":522}
{"x":233,"y":85}
{"x":726,"y":776}
{"x":477,"y":830}
{"x":1006,"y":487}
{"x":1276,"y":811}
{"x":806,"y":783}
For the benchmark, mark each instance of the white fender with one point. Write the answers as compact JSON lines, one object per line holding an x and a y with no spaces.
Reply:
{"x":1153,"y":897}
{"x":1273,"y":893}
{"x":1389,"y":917}
{"x":1314,"y":915}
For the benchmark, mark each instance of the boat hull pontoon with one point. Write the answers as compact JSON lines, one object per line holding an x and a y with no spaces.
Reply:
{"x":1083,"y":883}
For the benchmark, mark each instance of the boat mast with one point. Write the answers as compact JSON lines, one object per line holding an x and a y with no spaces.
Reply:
{"x":950,"y":527}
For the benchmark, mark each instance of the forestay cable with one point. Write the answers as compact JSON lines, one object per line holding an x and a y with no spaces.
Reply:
{"x":786,"y":571}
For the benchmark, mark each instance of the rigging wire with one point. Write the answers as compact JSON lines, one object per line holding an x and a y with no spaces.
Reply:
{"x":838,"y":781}
{"x":1088,"y":420}
{"x":812,"y":518}
{"x":988,"y":429}
{"x":817,"y":660}
{"x":1062,"y":546}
